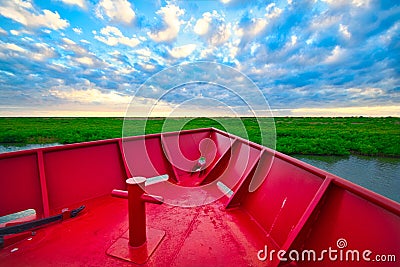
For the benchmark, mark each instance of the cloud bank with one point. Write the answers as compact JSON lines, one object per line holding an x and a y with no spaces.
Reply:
{"x":312,"y":58}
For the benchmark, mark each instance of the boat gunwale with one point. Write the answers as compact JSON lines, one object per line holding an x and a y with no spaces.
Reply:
{"x":358,"y":190}
{"x":363,"y":192}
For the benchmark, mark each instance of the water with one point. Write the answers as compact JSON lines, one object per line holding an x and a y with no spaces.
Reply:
{"x":381,"y":175}
{"x":10,"y":148}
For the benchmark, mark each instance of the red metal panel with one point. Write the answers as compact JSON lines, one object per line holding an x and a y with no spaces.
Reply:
{"x":257,"y":176}
{"x":43,"y":184}
{"x":121,"y":151}
{"x":183,"y":150}
{"x":20,"y":184}
{"x":308,"y":214}
{"x":281,"y":200}
{"x":80,"y":173}
{"x":145,"y":157}
{"x":240,"y":164}
{"x":221,"y":165}
{"x":219,"y":155}
{"x":223,"y":144}
{"x":363,"y":224}
{"x":189,"y":144}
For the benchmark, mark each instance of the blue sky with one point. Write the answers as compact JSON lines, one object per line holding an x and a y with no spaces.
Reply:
{"x":308,"y":58}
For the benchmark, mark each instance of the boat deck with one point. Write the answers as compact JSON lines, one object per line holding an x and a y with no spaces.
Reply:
{"x":202,"y":236}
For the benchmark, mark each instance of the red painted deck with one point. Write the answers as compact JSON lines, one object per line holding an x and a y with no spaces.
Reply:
{"x":217,"y":238}
{"x":276,"y":201}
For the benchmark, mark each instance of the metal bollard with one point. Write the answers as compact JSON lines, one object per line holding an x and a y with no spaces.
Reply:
{"x":137,"y":248}
{"x":137,"y":209}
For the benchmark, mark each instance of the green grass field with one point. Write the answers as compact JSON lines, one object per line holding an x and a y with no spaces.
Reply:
{"x":318,"y":136}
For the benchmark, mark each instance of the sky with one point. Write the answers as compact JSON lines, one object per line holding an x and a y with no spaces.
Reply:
{"x":307,"y":58}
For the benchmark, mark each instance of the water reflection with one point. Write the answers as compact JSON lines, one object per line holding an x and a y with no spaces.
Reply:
{"x":381,"y":175}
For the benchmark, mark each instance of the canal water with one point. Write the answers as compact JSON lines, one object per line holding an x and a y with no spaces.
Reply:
{"x":10,"y":148}
{"x":381,"y":175}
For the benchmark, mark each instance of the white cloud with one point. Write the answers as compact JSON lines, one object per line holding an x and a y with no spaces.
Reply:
{"x":70,"y":45}
{"x":256,"y":26}
{"x":323,"y":22}
{"x":170,"y":15}
{"x":369,"y":92}
{"x":272,"y":11}
{"x":12,"y":47}
{"x":387,"y":37}
{"x":253,"y":48}
{"x":91,"y":95}
{"x":378,"y":111}
{"x":85,"y":60}
{"x":25,"y":13}
{"x":116,"y":10}
{"x":28,"y":39}
{"x":68,"y":41}
{"x":146,"y":52}
{"x":233,"y":50}
{"x":204,"y":53}
{"x":81,"y":56}
{"x":77,"y":30}
{"x":337,"y":54}
{"x":203,"y":24}
{"x":79,"y":3}
{"x":20,"y":32}
{"x":112,"y":36}
{"x":356,"y":3}
{"x":124,"y":71}
{"x":38,"y":52}
{"x":182,"y":51}
{"x":42,"y":52}
{"x":335,"y":2}
{"x":361,"y":3}
{"x":213,"y":28}
{"x":343,"y":29}
{"x":2,"y":31}
{"x":146,"y":66}
{"x":293,"y":40}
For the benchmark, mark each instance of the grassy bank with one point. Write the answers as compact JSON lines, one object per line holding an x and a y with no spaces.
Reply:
{"x":319,"y":136}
